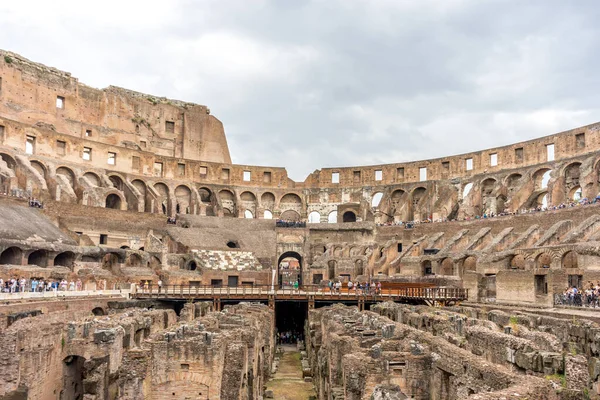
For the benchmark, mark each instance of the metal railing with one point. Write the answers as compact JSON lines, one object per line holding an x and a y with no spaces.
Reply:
{"x":308,"y":291}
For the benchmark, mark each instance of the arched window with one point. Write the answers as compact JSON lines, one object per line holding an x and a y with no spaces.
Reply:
{"x":248,"y":214}
{"x":332,"y":217}
{"x":376,"y":199}
{"x":268,"y":214}
{"x":314,"y":217}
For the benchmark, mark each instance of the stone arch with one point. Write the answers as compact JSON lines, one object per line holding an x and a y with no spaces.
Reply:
{"x":292,"y":272}
{"x":290,"y":198}
{"x":487,"y":186}
{"x":248,"y":214}
{"x":447,"y":266}
{"x":98,"y":311}
{"x":12,"y":255}
{"x":39,"y":167}
{"x":227,"y":199}
{"x":569,"y":260}
{"x":541,"y":178}
{"x":575,"y":193}
{"x":9,"y":160}
{"x":517,"y":261}
{"x":134,"y":260}
{"x":267,"y":201}
{"x":163,"y":198}
{"x":65,"y":259}
{"x":349,"y":216}
{"x":543,"y":260}
{"x":419,"y":209}
{"x":183,"y":198}
{"x":142,"y":189}
{"x":68,"y":174}
{"x":110,"y":261}
{"x":38,"y":257}
{"x":488,"y":200}
{"x":290,"y":215}
{"x":332,"y":217}
{"x":92,"y":179}
{"x":572,"y":173}
{"x":376,"y":199}
{"x":113,"y":201}
{"x":512,"y":182}
{"x":470,"y":263}
{"x":205,"y":195}
{"x":314,"y":217}
{"x":249,"y":202}
{"x":267,"y":214}
{"x":467,"y":189}
{"x":117,"y":182}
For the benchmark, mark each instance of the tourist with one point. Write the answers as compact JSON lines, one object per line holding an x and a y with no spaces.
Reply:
{"x":349,"y":286}
{"x":159,"y":283}
{"x":78,"y":285}
{"x":34,"y":285}
{"x":72,"y":286}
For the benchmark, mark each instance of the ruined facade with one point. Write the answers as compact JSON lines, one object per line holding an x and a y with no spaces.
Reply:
{"x":513,"y":225}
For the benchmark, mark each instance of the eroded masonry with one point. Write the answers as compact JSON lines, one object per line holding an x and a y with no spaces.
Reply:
{"x":138,"y":262}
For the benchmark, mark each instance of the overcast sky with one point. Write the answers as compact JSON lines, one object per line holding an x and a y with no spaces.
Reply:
{"x":312,"y":84}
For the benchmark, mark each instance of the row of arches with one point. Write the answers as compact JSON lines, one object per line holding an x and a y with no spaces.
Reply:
{"x":16,"y":256}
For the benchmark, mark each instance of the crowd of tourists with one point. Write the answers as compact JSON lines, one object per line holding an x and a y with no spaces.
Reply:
{"x":33,"y":285}
{"x":289,"y":337}
{"x":488,"y":215}
{"x":282,"y":223}
{"x":578,"y":297}
{"x":366,"y":288}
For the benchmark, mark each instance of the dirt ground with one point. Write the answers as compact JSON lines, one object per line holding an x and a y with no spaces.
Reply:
{"x":287,"y":384}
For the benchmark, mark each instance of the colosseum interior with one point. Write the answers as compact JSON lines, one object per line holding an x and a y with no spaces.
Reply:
{"x":137,"y":262}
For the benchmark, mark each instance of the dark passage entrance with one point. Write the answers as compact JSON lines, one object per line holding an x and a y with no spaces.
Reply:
{"x":73,"y":370}
{"x":289,"y":320}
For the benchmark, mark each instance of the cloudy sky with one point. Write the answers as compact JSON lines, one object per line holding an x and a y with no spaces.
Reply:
{"x":325,"y":83}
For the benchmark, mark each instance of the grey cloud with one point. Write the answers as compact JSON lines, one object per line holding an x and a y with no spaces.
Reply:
{"x":310,"y":84}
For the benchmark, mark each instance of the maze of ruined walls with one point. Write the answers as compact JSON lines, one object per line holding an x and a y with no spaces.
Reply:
{"x":565,"y":351}
{"x":363,"y":355}
{"x":136,"y":353}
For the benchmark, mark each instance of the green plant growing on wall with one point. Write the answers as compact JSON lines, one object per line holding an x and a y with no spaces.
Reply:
{"x":8,"y":59}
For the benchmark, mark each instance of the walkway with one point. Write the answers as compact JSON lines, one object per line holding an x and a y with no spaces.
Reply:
{"x":287,"y":384}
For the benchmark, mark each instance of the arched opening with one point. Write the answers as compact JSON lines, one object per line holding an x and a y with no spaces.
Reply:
{"x":517,"y":262}
{"x":117,"y":182}
{"x":447,"y":266}
{"x":113,"y":201}
{"x":512,"y":182}
{"x":332,"y":217}
{"x":376,"y":199}
{"x":67,"y":173}
{"x":569,"y":260}
{"x":572,"y":176}
{"x":192,"y":266}
{"x":267,"y":215}
{"x":267,"y":200}
{"x":141,"y":188}
{"x":227,"y":199}
{"x":11,"y":256}
{"x":73,"y":375}
{"x":92,"y":179}
{"x":205,"y":195}
{"x":98,"y":311}
{"x":248,"y":202}
{"x":576,"y":193}
{"x":162,"y":199}
{"x":39,"y":167}
{"x":541,"y":178}
{"x":38,"y":257}
{"x":10,"y":162}
{"x":183,"y":196}
{"x":349,"y":216}
{"x":248,"y":214}
{"x":290,"y":215}
{"x":314,"y":217}
{"x":232,"y":244}
{"x":543,"y":260}
{"x":467,"y":189}
{"x":109,"y":261}
{"x":65,"y":259}
{"x":420,"y":211}
{"x":134,"y":260}
{"x":470,"y":264}
{"x":290,"y":269}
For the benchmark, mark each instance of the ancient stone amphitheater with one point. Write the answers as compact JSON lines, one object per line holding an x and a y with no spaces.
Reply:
{"x":170,"y":273}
